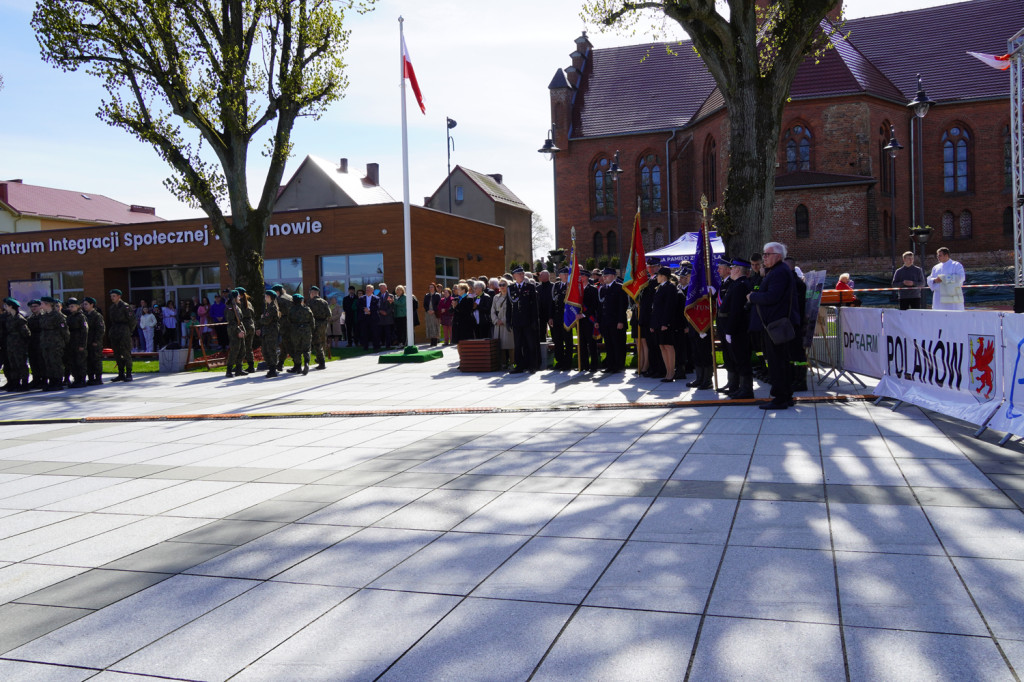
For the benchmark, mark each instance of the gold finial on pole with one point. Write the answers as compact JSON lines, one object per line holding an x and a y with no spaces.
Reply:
{"x":572,"y":232}
{"x":704,"y":206}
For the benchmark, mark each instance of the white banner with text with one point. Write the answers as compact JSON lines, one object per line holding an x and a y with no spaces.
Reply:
{"x":863,"y":342}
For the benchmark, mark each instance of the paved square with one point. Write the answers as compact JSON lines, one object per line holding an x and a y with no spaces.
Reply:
{"x":548,"y":527}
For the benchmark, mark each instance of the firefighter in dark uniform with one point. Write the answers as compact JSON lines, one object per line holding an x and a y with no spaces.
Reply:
{"x":644,"y":307}
{"x":613,"y":303}
{"x":733,"y":323}
{"x":561,"y":336}
{"x":591,"y":357}
{"x":523,"y":318}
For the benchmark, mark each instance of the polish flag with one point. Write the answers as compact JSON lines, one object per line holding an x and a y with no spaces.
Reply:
{"x":410,"y":73}
{"x":1001,"y":62}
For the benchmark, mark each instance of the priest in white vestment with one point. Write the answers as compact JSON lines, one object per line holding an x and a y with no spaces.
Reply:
{"x":946,"y":282}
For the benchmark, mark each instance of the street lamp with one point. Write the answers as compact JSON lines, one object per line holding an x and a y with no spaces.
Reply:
{"x":550,"y":150}
{"x":920,"y":106}
{"x":615,"y":171}
{"x":450,"y":145}
{"x":919,"y":237}
{"x":893,"y":147}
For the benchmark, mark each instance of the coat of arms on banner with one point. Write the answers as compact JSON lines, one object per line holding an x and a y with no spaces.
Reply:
{"x":983,"y":351}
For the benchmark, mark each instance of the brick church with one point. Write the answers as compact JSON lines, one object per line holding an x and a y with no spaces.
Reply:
{"x":835,"y":185}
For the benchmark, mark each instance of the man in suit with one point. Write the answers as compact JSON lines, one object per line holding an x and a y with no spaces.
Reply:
{"x":523,"y":319}
{"x":385,"y":316}
{"x":556,"y":312}
{"x":733,"y":323}
{"x":544,"y":287}
{"x":368,"y":311}
{"x":350,"y":306}
{"x":483,"y":310}
{"x":612,"y":321}
{"x":591,"y":358}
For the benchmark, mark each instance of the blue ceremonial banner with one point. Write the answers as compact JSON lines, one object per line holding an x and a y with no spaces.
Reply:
{"x":704,"y":282}
{"x":574,"y":294}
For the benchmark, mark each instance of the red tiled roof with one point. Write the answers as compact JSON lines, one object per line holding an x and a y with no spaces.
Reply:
{"x":69,"y":205}
{"x":843,"y":70}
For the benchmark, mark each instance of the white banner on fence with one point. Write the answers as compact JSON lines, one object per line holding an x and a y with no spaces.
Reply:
{"x":1010,"y":415}
{"x":863,"y":342}
{"x":948,"y":362}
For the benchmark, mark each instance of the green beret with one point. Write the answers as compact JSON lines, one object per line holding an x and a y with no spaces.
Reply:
{"x":278,"y":287}
{"x":115,"y":291}
{"x":47,"y":299}
{"x":298,"y":297}
{"x":233,"y":293}
{"x":34,"y":301}
{"x":89,"y":299}
{"x":12,"y":302}
{"x":72,"y":301}
{"x":241,"y":290}
{"x":314,"y":288}
{"x":271,"y":293}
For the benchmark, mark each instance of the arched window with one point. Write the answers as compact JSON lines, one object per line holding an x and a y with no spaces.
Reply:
{"x":1007,"y":160}
{"x":659,"y":238}
{"x":955,"y":157}
{"x":884,"y":161}
{"x":711,"y":170}
{"x":1008,"y":221}
{"x":645,"y":236}
{"x":803,"y":222}
{"x":966,"y":225}
{"x":598,"y":244}
{"x":650,"y":184}
{"x":613,"y":246}
{"x":798,"y":148}
{"x":603,"y":187}
{"x":947,"y":225}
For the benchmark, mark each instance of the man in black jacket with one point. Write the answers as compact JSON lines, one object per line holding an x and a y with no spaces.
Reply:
{"x":523,"y":318}
{"x":368,"y":310}
{"x":544,"y":288}
{"x":556,"y":314}
{"x":776,"y":300}
{"x":612,"y":321}
{"x":733,"y":324}
{"x":590,"y":358}
{"x":350,"y":306}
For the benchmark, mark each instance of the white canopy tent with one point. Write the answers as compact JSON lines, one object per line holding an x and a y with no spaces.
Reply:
{"x":684,"y":249}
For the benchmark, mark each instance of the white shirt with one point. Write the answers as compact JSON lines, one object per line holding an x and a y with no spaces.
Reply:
{"x":947,"y":294}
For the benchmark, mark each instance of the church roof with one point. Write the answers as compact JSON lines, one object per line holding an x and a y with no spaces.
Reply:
{"x":63,"y":204}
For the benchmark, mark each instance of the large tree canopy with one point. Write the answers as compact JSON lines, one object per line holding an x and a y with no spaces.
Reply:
{"x":201,"y":80}
{"x":753,"y":52}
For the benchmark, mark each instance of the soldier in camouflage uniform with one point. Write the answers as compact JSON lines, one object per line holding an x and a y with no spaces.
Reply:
{"x":122,"y":326}
{"x":269,"y":331}
{"x":249,"y":324}
{"x":94,"y":342}
{"x":236,"y":336}
{"x":78,"y":324}
{"x":16,"y":336}
{"x":53,"y":339}
{"x":284,"y":304}
{"x":3,"y":346}
{"x":300,"y":323}
{"x":35,"y":356}
{"x":321,"y":310}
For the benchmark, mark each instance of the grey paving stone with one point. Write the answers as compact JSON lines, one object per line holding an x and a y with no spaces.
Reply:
{"x":349,"y":478}
{"x":791,"y":492}
{"x":712,"y":490}
{"x":701,"y":521}
{"x":578,"y":464}
{"x":456,"y":461}
{"x":611,"y":644}
{"x":93,"y":589}
{"x":871,"y":494}
{"x":319,"y":493}
{"x":747,"y":649}
{"x":380,"y":464}
{"x":132,"y":623}
{"x":903,"y":655}
{"x":37,"y":467}
{"x":995,"y":533}
{"x":964,"y":497}
{"x":88,"y":469}
{"x":624,"y":487}
{"x":240,"y":474}
{"x":781,"y":584}
{"x":882,"y":471}
{"x":907,"y":592}
{"x":795,"y":467}
{"x":18,"y":522}
{"x":378,"y":625}
{"x":703,"y":467}
{"x":658,"y":576}
{"x":228,"y":532}
{"x":738,"y":444}
{"x":552,"y":484}
{"x":454,"y":564}
{"x":1014,"y":650}
{"x":882,"y":528}
{"x":273,"y":553}
{"x":21,"y":623}
{"x":168,"y":557}
{"x":514,"y":463}
{"x":40,"y":672}
{"x":732,"y":427}
{"x":297,"y":476}
{"x":360,"y":558}
{"x":484,"y":639}
{"x":598,"y":516}
{"x":788,"y":445}
{"x":483,"y":482}
{"x":560,"y":570}
{"x":515,"y":512}
{"x":366,"y":506}
{"x":417,"y":479}
{"x":944,"y":473}
{"x":109,"y":496}
{"x":438,"y":510}
{"x":997,"y":586}
{"x":120,"y":542}
{"x":278,"y":510}
{"x":17,"y":580}
{"x":225,"y":640}
{"x":139,"y":471}
{"x":796,"y":525}
{"x":904,"y":446}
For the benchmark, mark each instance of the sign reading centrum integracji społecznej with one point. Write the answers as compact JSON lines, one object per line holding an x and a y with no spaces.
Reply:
{"x":134,"y":239}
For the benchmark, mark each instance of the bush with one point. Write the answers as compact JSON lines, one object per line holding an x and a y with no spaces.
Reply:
{"x":590,"y":264}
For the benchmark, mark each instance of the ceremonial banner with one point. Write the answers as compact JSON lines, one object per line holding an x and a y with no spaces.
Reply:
{"x":1010,"y":415}
{"x":944,"y":361}
{"x":703,"y":282}
{"x":863,"y":342}
{"x":574,"y":292}
{"x":635,"y":278}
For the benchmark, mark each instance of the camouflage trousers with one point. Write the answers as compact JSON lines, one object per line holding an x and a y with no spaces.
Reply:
{"x":319,"y":341}
{"x":299,"y":342}
{"x":269,"y":345}
{"x":250,"y":335}
{"x":121,"y":344}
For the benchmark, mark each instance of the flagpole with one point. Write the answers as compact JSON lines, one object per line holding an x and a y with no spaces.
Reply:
{"x":410,"y":318}
{"x":707,"y":290}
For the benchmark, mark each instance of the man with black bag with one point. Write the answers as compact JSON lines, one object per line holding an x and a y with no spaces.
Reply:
{"x":774,"y":310}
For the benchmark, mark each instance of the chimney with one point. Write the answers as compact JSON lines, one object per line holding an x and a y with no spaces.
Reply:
{"x":497,"y":177}
{"x":426,"y":202}
{"x":373,"y":174}
{"x":343,"y":166}
{"x":148,"y":210}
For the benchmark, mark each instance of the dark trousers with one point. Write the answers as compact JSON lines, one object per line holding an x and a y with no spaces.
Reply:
{"x":780,"y":370}
{"x":655,"y":362}
{"x":527,"y":348}
{"x":910,"y":303}
{"x":615,"y":346}
{"x":738,"y":355}
{"x":385,"y":335}
{"x":563,"y":343}
{"x":590,"y":357}
{"x":369,"y":334}
{"x":350,"y":330}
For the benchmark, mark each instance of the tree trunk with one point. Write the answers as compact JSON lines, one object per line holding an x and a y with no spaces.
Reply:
{"x":243,"y":246}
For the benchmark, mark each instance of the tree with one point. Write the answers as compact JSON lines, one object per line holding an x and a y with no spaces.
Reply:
{"x":201,"y":82}
{"x":753,"y":55}
{"x":540,"y":236}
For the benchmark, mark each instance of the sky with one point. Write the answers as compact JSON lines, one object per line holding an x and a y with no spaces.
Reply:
{"x":485,"y":64}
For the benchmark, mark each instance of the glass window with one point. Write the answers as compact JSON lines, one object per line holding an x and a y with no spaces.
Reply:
{"x":884,"y":163}
{"x":650,"y":184}
{"x":446,"y":271}
{"x":284,"y":271}
{"x":966,"y":225}
{"x":341,"y":271}
{"x":604,"y":189}
{"x":803,"y":222}
{"x":947,"y":225}
{"x":334,"y":266}
{"x":613,"y":245}
{"x":798,"y":148}
{"x":65,"y":283}
{"x":659,"y":238}
{"x":955,"y":160}
{"x":458,"y":193}
{"x":598,"y":244}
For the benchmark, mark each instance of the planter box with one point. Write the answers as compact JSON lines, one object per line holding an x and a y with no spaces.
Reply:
{"x":479,"y":355}
{"x":173,"y":360}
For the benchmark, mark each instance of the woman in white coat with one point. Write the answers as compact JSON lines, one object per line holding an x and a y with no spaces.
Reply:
{"x":499,"y":324}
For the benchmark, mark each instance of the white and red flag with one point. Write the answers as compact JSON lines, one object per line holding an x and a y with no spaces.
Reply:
{"x":410,"y":74}
{"x":1001,"y":62}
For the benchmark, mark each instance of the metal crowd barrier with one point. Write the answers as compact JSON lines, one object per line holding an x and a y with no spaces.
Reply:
{"x":825,"y":356}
